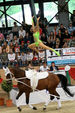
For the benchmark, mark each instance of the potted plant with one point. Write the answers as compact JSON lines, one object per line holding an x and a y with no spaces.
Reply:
{"x":7,"y":88}
{"x":1,"y":99}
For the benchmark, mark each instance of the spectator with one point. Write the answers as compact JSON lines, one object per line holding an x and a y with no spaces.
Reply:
{"x":17,"y":48}
{"x":41,"y":56}
{"x":8,"y":39}
{"x":66,"y":35}
{"x":22,"y":32}
{"x":1,"y":39}
{"x":19,"y":61}
{"x":11,"y":46}
{"x":55,"y":30}
{"x":29,"y":57}
{"x":15,"y":40}
{"x":72,"y":41}
{"x":4,"y":58}
{"x":65,"y":45}
{"x":23,"y":58}
{"x":27,"y":38}
{"x":23,"y":47}
{"x":11,"y":58}
{"x":21,"y":39}
{"x":70,"y":29}
{"x":57,"y":46}
{"x":51,"y":40}
{"x":15,"y":29}
{"x":44,"y":67}
{"x":60,"y":36}
{"x":62,"y":29}
{"x":53,"y":67}
{"x":35,"y":59}
{"x":57,"y":41}
{"x":6,"y":46}
{"x":44,"y":38}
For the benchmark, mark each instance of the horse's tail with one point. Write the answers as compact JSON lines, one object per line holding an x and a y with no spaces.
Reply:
{"x":64,"y":84}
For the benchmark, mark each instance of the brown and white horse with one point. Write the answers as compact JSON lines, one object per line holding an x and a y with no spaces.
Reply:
{"x":50,"y":83}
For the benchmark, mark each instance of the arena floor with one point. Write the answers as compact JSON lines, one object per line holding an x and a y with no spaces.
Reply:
{"x":67,"y":107}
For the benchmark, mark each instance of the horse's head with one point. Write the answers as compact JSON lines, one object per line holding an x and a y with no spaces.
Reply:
{"x":8,"y":74}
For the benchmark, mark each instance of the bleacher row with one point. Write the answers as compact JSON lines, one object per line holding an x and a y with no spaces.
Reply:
{"x":14,"y":45}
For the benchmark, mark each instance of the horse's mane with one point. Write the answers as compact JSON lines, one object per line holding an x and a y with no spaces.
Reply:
{"x":16,"y":69}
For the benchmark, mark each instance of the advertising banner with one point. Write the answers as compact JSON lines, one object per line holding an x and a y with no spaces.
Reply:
{"x":67,"y":56}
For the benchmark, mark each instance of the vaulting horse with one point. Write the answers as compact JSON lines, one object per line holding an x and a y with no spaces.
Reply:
{"x":49,"y":83}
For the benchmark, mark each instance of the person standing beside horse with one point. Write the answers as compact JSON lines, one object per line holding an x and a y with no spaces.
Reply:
{"x":53,"y":67}
{"x":44,"y":67}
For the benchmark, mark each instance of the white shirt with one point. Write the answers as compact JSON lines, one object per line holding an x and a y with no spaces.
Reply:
{"x":11,"y":56}
{"x":42,"y":55}
{"x":23,"y":57}
{"x":42,"y":68}
{"x":23,"y":33}
{"x":29,"y":56}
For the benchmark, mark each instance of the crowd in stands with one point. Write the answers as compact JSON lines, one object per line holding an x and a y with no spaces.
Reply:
{"x":14,"y":49}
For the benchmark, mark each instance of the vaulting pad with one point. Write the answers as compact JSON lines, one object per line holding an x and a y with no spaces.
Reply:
{"x":34,"y":76}
{"x":39,"y":75}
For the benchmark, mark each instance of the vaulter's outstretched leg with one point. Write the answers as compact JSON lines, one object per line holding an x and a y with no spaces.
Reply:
{"x":48,"y":48}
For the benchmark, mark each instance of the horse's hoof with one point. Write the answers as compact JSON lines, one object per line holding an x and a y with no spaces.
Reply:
{"x":58,"y":108}
{"x":19,"y":109}
{"x":34,"y":108}
{"x":44,"y":109}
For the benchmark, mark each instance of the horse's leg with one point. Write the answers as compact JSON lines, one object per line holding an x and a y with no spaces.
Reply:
{"x":55,"y":95}
{"x":46,"y":104}
{"x":58,"y":100}
{"x":27,"y":101}
{"x":19,"y":94}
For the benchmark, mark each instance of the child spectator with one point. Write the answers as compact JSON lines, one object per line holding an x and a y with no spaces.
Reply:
{"x":41,"y":56}
{"x":23,"y":58}
{"x":35,"y":59}
{"x":17,"y":48}
{"x":29,"y":57}
{"x":11,"y":58}
{"x":19,"y":61}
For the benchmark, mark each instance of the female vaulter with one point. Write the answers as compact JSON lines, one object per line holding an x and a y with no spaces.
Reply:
{"x":38,"y":42}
